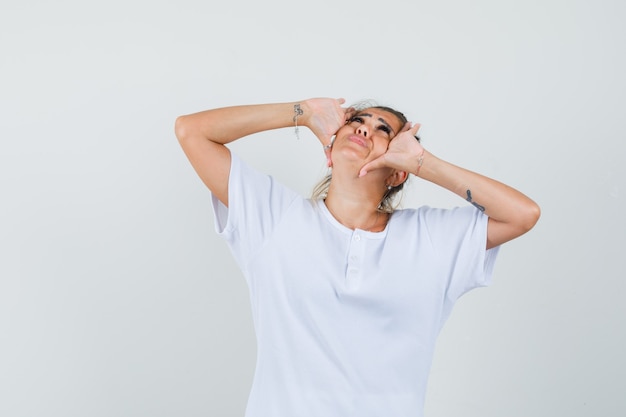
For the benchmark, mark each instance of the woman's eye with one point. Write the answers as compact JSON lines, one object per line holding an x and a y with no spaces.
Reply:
{"x":385,"y":129}
{"x":356,"y":119}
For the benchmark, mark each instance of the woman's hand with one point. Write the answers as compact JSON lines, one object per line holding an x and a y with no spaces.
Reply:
{"x":403,"y":154}
{"x":324,"y":116}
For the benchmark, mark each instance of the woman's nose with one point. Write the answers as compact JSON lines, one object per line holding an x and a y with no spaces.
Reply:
{"x":362,"y":130}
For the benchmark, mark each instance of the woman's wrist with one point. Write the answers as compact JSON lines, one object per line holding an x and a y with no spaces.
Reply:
{"x":426,"y":164}
{"x":298,"y":112}
{"x":304,"y":112}
{"x":420,"y":162}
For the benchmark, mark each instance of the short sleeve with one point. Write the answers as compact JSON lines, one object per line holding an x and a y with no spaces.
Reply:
{"x":256,"y":203}
{"x":459,"y":238}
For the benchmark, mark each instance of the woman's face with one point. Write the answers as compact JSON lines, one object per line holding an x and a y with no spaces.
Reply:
{"x":366,"y":135}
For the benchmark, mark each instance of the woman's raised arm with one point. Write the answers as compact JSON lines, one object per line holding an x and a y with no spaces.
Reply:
{"x":510,"y":212}
{"x":203,"y":135}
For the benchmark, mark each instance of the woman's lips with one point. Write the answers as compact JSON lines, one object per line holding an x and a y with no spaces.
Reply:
{"x":358,"y":140}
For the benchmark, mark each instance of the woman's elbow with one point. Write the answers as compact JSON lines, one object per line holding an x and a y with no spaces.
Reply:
{"x":531,"y":215}
{"x":181,"y":128}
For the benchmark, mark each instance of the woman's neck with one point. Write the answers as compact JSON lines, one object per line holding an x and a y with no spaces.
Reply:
{"x":355,"y":205}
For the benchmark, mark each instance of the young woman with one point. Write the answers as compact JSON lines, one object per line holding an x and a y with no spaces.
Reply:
{"x":348,"y":295}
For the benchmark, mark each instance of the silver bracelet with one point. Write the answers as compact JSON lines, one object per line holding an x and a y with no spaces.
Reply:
{"x":298,"y":112}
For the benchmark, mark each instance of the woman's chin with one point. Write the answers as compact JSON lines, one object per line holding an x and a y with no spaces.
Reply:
{"x":350,"y":155}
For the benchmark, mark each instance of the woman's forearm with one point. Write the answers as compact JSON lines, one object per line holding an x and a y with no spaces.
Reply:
{"x":226,"y":124}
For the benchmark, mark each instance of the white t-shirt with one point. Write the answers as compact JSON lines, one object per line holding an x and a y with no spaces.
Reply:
{"x":346,"y":320}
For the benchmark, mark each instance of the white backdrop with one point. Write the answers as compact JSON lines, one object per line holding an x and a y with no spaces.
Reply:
{"x":118,"y":299}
